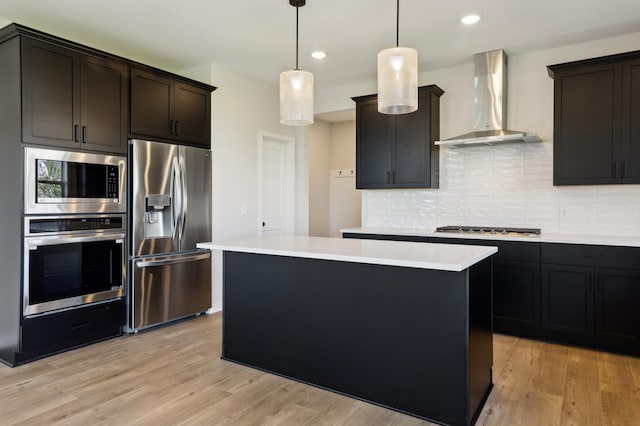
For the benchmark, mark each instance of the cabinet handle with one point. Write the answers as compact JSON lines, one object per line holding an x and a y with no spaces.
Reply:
{"x":625,"y":169}
{"x":75,"y":133}
{"x":393,"y":177}
{"x":177,"y":127}
{"x":172,"y":127}
{"x":388,"y":178}
{"x":84,"y":134}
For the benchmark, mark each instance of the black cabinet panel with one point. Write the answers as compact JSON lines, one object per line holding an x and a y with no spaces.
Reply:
{"x":596,"y":120}
{"x":151,"y":104}
{"x":104,"y":101}
{"x":165,"y":108}
{"x":589,"y":255}
{"x":56,"y":332}
{"x":375,"y":130}
{"x":51,"y":94}
{"x":398,"y":151}
{"x":587,"y":117}
{"x":516,"y":297}
{"x":71,"y":100}
{"x":631,"y":121}
{"x":617,"y":313}
{"x":192,"y":114}
{"x":567,"y":301}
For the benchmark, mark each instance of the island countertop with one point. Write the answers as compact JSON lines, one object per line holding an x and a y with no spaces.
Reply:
{"x":445,"y":257}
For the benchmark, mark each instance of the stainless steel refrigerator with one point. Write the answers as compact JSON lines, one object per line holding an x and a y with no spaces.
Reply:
{"x":170,"y":211}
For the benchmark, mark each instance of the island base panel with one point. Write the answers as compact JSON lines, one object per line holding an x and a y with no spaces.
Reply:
{"x":398,"y":337}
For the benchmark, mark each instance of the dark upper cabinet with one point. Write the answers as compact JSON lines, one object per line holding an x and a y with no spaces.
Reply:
{"x":398,"y":151}
{"x":73,"y":100}
{"x":165,"y":108}
{"x":597,"y":120}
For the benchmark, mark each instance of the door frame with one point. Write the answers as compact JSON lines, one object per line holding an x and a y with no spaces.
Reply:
{"x":289,"y":176}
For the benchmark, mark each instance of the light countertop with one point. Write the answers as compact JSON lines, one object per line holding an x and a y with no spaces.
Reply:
{"x":446,"y":257}
{"x":630,"y":241}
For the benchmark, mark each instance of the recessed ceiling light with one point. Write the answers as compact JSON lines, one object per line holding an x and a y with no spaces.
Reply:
{"x":319,"y":54}
{"x":470,"y":19}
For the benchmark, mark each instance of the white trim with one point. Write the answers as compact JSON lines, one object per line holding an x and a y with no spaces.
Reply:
{"x":290,"y":174}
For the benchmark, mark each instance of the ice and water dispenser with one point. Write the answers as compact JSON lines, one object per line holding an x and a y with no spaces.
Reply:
{"x":157,"y":221}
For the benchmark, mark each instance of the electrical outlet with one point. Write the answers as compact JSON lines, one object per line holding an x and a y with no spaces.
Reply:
{"x":564,"y":214}
{"x":243,"y":209}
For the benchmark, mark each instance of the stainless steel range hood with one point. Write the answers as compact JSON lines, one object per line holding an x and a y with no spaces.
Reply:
{"x":490,"y":105}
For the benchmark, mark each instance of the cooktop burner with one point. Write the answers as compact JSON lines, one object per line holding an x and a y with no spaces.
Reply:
{"x":523,"y":232}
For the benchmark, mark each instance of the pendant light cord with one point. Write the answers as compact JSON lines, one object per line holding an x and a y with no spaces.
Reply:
{"x":298,"y":8}
{"x":398,"y":23}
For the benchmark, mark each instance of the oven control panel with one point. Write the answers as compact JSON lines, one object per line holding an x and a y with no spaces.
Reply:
{"x":47,"y":225}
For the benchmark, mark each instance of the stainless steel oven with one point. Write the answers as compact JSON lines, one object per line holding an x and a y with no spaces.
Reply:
{"x":67,"y":182}
{"x":72,"y":260}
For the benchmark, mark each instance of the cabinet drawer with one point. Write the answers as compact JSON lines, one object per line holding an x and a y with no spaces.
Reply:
{"x":53,"y":333}
{"x":507,"y":250}
{"x":589,"y":255}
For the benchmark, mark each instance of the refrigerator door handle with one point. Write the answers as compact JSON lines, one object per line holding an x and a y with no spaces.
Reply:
{"x":172,"y":261}
{"x":176,"y":202}
{"x":184,"y":199}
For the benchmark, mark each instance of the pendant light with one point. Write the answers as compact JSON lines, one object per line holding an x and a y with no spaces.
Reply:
{"x":296,"y":89}
{"x":397,"y":77}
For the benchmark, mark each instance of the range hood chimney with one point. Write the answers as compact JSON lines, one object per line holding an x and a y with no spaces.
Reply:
{"x":490,"y":104}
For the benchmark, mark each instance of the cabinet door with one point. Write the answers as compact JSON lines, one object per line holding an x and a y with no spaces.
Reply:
{"x":151,"y":104}
{"x":192,"y":115}
{"x":567,"y":303}
{"x":516,"y":297}
{"x":617,"y":313}
{"x":587,"y":125}
{"x":104,"y":100}
{"x":410,"y":155}
{"x":374,"y":134}
{"x":631,"y":121}
{"x":50,"y":94}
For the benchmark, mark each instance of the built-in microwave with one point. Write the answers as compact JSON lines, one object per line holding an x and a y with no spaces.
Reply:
{"x":73,"y":182}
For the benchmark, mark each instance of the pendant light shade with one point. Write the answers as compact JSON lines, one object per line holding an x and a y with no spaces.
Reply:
{"x":397,"y":77}
{"x":296,"y":89}
{"x":296,"y":98}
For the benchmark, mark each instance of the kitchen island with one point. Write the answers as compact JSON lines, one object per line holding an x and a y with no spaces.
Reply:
{"x":399,"y":324}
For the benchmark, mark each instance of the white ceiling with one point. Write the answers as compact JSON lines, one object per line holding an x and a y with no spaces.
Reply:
{"x":257,"y":37}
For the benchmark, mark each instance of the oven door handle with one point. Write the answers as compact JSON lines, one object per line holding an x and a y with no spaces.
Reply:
{"x":172,"y":261}
{"x":34,"y":242}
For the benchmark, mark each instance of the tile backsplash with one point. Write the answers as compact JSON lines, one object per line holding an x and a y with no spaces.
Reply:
{"x":506,"y":185}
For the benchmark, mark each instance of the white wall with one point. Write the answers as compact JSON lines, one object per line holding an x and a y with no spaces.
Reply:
{"x":319,"y":160}
{"x":507,"y":185}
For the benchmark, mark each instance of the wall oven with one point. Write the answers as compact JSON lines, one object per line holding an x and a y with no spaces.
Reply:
{"x":67,"y":182}
{"x":71,"y":261}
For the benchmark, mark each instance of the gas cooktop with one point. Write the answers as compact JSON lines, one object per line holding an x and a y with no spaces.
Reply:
{"x":514,"y":232}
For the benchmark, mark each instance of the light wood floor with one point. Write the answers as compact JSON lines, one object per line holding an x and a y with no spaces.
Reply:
{"x":174,"y":376}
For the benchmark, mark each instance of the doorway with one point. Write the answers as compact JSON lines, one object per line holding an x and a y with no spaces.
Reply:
{"x":276,"y":172}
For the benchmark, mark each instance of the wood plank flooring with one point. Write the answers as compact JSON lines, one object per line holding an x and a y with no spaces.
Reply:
{"x":174,"y":376}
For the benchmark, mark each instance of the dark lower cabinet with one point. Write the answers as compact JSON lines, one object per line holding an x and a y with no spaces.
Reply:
{"x":57,"y":332}
{"x":617,"y":319}
{"x":516,"y":297}
{"x":568,"y":302}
